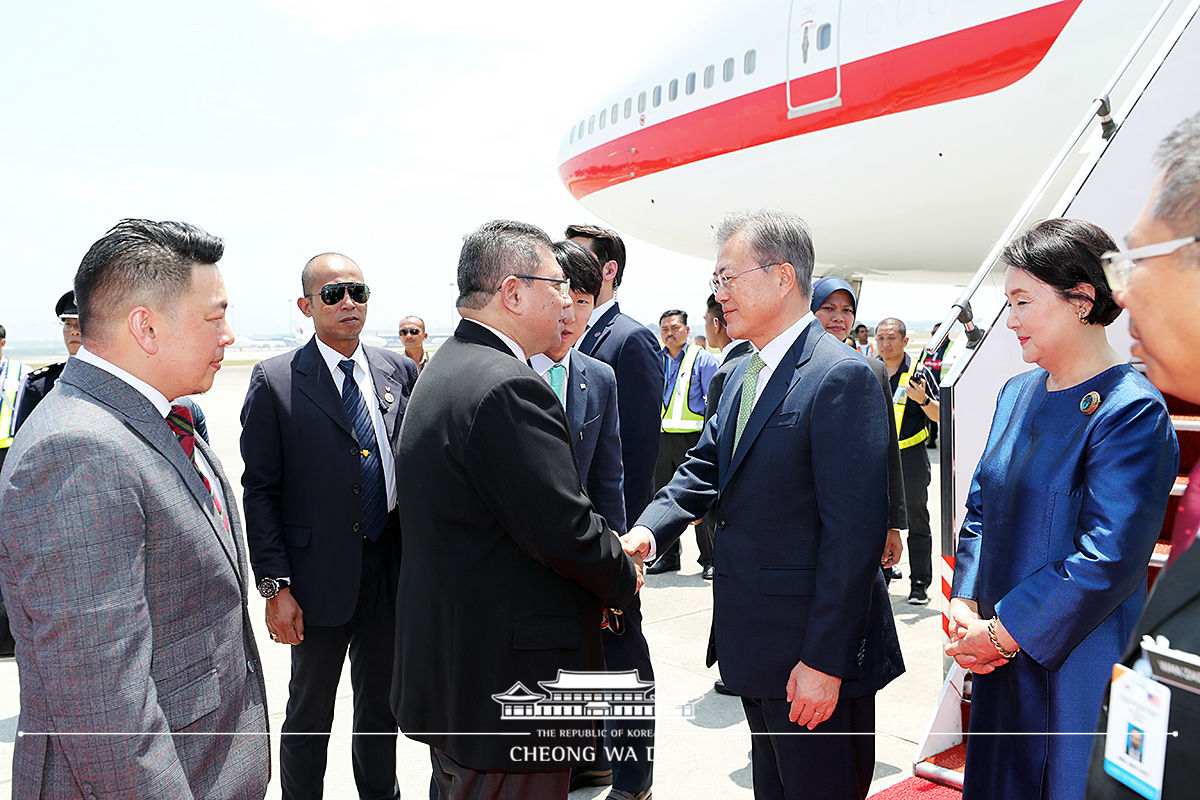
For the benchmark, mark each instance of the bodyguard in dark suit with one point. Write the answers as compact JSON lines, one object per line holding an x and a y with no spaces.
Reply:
{"x":632,"y":351}
{"x":319,"y":427}
{"x":802,"y":626}
{"x":1159,"y":290}
{"x":498,"y":496}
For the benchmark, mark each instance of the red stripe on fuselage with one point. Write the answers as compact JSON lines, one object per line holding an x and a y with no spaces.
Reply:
{"x":962,"y":64}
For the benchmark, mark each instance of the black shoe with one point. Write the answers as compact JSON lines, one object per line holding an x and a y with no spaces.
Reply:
{"x":918,"y":597}
{"x":620,"y":794}
{"x":661,"y":565}
{"x":581,"y":777}
{"x":720,"y":688}
{"x":709,"y":573}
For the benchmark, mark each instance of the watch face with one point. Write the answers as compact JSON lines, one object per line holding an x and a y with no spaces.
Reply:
{"x":268,"y":588}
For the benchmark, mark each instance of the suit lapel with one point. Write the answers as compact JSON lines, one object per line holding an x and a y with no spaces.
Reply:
{"x":228,"y":506}
{"x":1173,"y":592}
{"x":785,"y":376}
{"x":317,"y":384}
{"x":599,"y":331}
{"x":383,"y":375}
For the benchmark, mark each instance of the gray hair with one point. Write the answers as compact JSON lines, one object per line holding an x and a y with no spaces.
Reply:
{"x":775,"y":237}
{"x":1178,"y":159}
{"x":494,"y":251}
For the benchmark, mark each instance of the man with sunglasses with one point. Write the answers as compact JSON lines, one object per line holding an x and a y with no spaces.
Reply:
{"x":320,"y":427}
{"x":413,"y":336}
{"x":1158,"y":283}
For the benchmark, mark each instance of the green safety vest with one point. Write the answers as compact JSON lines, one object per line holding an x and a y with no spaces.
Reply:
{"x":677,"y":417}
{"x":12,"y":375}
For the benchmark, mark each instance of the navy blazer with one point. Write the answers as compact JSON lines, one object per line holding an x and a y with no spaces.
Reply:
{"x":635,"y":356}
{"x":596,"y":430}
{"x":797,"y":547}
{"x":302,"y":470}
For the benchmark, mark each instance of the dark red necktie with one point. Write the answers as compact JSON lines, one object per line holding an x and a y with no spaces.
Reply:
{"x":1187,"y":518}
{"x":180,"y":422}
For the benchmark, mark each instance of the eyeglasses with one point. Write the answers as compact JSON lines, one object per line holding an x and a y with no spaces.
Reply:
{"x":332,"y":293}
{"x":409,"y":331}
{"x":562,"y":285}
{"x":71,"y":324}
{"x":1119,"y":265}
{"x":724,"y":280}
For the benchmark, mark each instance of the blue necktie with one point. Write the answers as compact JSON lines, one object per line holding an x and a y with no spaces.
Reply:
{"x":374,"y":491}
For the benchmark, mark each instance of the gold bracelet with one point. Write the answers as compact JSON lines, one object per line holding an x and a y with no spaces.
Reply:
{"x":1009,"y":654}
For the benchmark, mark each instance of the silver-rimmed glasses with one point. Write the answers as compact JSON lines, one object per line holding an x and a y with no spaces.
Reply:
{"x":725,"y":279}
{"x":1119,"y":265}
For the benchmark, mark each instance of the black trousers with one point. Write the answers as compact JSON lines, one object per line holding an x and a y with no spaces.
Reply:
{"x":672,"y":452}
{"x":454,"y":781}
{"x":630,"y":742}
{"x":316,"y":667}
{"x":914,"y":463}
{"x":792,"y":763}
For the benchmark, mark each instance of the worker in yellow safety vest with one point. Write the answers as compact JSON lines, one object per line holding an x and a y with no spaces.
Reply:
{"x":688,"y":368}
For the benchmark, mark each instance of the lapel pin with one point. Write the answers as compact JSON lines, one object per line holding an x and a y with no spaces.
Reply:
{"x":582,"y":386}
{"x":366,"y":453}
{"x":387,"y":395}
{"x":1089,"y":403}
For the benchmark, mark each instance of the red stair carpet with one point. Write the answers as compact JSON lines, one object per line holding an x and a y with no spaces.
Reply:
{"x":917,"y":789}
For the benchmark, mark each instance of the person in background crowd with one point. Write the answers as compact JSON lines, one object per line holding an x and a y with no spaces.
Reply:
{"x":413,"y":336}
{"x":862,"y":340}
{"x":915,"y":401}
{"x":1062,"y":516}
{"x":39,"y":382}
{"x":689,"y":370}
{"x":12,"y":381}
{"x":1158,"y":283}
{"x":701,"y":340}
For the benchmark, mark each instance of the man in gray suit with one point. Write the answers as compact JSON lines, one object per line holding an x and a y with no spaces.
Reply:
{"x":121,"y":554}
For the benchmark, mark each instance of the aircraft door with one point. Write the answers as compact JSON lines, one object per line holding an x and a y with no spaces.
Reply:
{"x":814,"y":68}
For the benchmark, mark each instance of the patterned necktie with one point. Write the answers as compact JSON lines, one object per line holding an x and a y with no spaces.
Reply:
{"x":374,"y":491}
{"x":181,"y":423}
{"x":749,"y":387}
{"x":558,"y":382}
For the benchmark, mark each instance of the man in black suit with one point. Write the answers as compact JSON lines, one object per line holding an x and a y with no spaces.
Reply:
{"x":801,"y":619}
{"x":633,"y":352}
{"x":319,"y":429}
{"x":498,"y":495}
{"x":1158,"y":286}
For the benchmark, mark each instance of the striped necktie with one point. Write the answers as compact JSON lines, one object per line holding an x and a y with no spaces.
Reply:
{"x":749,"y":387}
{"x":374,"y":490}
{"x":180,"y":421}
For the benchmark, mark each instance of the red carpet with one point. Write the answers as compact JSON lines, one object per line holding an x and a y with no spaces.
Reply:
{"x":917,"y":789}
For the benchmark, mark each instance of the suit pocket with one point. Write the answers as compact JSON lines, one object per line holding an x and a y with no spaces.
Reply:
{"x":547,"y":633}
{"x":192,"y":700}
{"x":296,"y":537}
{"x":172,"y":660}
{"x":788,"y":581}
{"x":782,"y":419}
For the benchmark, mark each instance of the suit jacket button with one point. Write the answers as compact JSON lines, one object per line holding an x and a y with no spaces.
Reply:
{"x":356,"y":488}
{"x":250,"y":665}
{"x":720,"y":523}
{"x":353,"y":451}
{"x":356,"y":527}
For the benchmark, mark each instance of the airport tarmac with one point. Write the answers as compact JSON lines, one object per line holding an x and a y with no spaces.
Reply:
{"x":706,"y":755}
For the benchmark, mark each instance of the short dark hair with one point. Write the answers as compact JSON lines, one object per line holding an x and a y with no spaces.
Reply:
{"x":491,"y":253}
{"x":413,"y":316}
{"x":899,"y":323}
{"x":861,"y":327}
{"x":673,"y":312}
{"x":139,"y":260}
{"x":606,"y":246}
{"x":716,"y":309}
{"x":1178,"y":159}
{"x":1064,"y":253}
{"x":3,"y":333}
{"x":580,"y":267}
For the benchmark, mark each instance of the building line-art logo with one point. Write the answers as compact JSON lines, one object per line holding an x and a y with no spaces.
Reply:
{"x":580,"y":695}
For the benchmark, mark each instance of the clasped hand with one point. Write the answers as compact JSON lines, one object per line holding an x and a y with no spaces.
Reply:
{"x":970,"y":644}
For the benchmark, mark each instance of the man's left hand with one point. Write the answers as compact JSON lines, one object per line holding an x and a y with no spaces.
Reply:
{"x":813,"y":695}
{"x":892,"y":549}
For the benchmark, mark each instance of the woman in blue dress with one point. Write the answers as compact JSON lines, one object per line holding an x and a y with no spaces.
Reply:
{"x":1063,"y":514}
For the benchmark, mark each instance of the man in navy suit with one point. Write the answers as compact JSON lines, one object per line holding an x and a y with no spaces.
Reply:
{"x":634,"y":355}
{"x":801,"y":621}
{"x":320,"y":427}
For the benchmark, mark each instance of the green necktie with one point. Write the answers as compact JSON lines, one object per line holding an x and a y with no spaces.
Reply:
{"x":558,"y":381}
{"x":749,"y":386}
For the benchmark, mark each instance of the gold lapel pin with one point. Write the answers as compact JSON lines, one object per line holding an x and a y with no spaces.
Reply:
{"x":366,"y":453}
{"x":387,"y":395}
{"x":1089,"y":403}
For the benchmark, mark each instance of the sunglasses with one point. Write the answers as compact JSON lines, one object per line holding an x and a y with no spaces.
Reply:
{"x":332,"y":293}
{"x":409,"y":331}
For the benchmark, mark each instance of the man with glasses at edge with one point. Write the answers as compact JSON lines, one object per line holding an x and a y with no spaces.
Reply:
{"x":320,"y":427}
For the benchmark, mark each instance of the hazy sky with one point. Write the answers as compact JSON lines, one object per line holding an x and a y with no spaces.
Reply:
{"x":381,"y":129}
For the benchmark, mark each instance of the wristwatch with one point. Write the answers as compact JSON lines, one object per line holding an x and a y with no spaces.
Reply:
{"x":269,"y":587}
{"x":928,"y":400}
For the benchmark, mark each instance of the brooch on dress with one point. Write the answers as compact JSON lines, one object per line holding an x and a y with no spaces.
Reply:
{"x":1089,"y":403}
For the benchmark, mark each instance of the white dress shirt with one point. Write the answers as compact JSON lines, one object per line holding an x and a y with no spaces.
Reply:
{"x":774,"y":351}
{"x":597,"y":313}
{"x":366,"y":386}
{"x":509,"y":342}
{"x":542,"y":363}
{"x":732,"y":344}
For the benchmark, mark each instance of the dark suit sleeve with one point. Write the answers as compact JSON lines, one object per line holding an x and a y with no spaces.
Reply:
{"x":897,"y":505}
{"x":606,"y":482}
{"x":520,"y":421}
{"x":689,"y":494}
{"x":715,"y":387}
{"x":847,"y":418}
{"x":262,"y":479}
{"x":639,"y":371}
{"x":31,"y":395}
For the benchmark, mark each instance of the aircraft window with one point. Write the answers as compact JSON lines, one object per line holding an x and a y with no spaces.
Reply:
{"x":592,"y":124}
{"x":748,"y":62}
{"x":673,"y":89}
{"x":657,"y":96}
{"x":690,"y":83}
{"x":641,"y":102}
{"x":581,"y":124}
{"x":628,"y":107}
{"x":614,"y":113}
{"x":572,"y":134}
{"x":710,"y":73}
{"x":727,"y":70}
{"x":604,"y":118}
{"x":824,"y":36}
